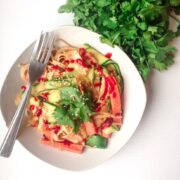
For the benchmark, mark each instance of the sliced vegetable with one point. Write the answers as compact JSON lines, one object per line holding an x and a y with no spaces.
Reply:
{"x":115,"y":65}
{"x":50,"y":95}
{"x":97,"y":141}
{"x":109,"y":130}
{"x":68,"y":146}
{"x":49,"y":110}
{"x":115,"y":97}
{"x":107,"y":136}
{"x":48,"y":85}
{"x":99,"y":56}
{"x":91,"y":75}
{"x":90,"y":128}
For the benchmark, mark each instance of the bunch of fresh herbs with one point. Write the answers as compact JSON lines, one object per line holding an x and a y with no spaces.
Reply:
{"x":139,"y":27}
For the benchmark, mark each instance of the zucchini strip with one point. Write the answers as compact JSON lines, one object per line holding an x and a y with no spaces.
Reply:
{"x":111,"y":62}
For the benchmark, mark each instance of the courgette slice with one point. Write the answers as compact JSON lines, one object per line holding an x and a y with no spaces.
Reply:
{"x":111,"y":129}
{"x":117,"y":70}
{"x":53,"y":95}
{"x":98,"y":55}
{"x":48,"y":85}
{"x":48,"y":110}
{"x":91,"y":75}
{"x":115,"y":66}
{"x":97,"y":141}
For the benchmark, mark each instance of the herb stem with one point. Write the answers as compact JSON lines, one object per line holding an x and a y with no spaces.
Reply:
{"x":175,"y":18}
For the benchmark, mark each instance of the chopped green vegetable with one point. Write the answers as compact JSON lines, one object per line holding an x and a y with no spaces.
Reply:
{"x":109,"y":62}
{"x":140,"y":27}
{"x":74,"y":108}
{"x":97,"y":141}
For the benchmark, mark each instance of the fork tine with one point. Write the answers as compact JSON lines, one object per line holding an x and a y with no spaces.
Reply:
{"x":48,"y":45}
{"x":36,"y":46}
{"x":41,"y":46}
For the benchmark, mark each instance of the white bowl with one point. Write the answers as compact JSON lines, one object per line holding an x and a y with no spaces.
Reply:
{"x":134,"y":105}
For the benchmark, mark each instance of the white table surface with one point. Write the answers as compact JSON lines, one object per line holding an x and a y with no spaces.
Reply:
{"x":153,"y":153}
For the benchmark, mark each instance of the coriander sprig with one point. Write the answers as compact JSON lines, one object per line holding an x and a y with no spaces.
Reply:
{"x":140,"y":27}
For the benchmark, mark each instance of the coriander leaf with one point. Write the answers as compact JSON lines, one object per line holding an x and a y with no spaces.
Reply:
{"x":102,"y":3}
{"x":126,"y":6}
{"x":150,"y":47}
{"x":164,"y":40}
{"x":62,"y":117}
{"x":77,"y":125}
{"x":142,"y":26}
{"x":106,"y":41}
{"x":67,"y":7}
{"x":178,"y":31}
{"x":110,"y":23}
{"x":70,"y":93}
{"x":84,"y":113}
{"x":174,"y":2}
{"x":74,"y":107}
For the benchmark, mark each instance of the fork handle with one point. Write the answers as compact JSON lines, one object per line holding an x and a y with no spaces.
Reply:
{"x":9,"y":140}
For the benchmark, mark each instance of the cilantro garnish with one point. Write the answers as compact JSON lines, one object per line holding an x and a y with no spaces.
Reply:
{"x":140,"y":27}
{"x":74,"y":108}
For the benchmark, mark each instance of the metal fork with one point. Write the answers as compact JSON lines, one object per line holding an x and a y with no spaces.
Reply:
{"x":39,"y":58}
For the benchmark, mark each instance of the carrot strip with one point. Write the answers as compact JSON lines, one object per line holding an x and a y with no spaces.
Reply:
{"x":72,"y":147}
{"x":90,"y":128}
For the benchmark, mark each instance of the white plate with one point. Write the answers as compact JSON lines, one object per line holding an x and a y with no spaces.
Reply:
{"x":134,"y":105}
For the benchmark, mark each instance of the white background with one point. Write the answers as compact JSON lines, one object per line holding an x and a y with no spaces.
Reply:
{"x":153,"y":153}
